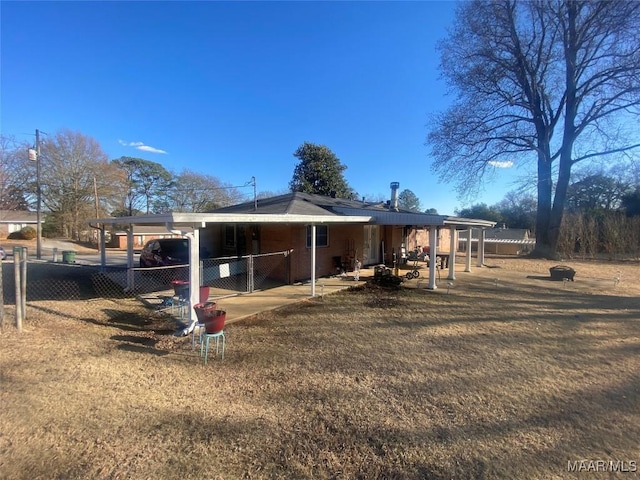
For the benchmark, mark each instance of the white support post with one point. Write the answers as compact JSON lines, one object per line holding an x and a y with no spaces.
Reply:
{"x":452,"y":253}
{"x":313,"y":260}
{"x":103,"y":252}
{"x":433,"y":258}
{"x":481,"y":247}
{"x":194,"y":273}
{"x":130,"y":272}
{"x":467,"y":267}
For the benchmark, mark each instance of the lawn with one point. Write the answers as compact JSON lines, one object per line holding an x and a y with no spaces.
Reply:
{"x":503,"y":374}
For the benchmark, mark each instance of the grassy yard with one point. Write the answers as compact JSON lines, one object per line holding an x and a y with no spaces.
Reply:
{"x":503,"y":374}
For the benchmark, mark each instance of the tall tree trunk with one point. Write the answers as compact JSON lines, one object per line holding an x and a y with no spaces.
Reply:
{"x":559,"y":200}
{"x":543,"y":215}
{"x":545,"y":189}
{"x":569,"y":129}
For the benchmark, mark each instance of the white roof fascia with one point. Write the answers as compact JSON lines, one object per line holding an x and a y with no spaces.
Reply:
{"x":468,"y":222}
{"x":201,"y":219}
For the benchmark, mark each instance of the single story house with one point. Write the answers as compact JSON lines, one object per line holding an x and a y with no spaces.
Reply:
{"x":141,"y":235}
{"x":316,"y":233}
{"x":15,"y":220}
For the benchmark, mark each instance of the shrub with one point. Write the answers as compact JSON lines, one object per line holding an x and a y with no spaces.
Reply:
{"x":26,"y":233}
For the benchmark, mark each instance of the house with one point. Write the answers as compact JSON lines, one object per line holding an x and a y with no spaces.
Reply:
{"x":315,"y":235}
{"x":502,"y":241}
{"x":141,"y":235}
{"x":386,"y":239}
{"x":15,"y":220}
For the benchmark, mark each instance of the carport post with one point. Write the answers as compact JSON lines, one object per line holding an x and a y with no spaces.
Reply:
{"x":452,"y":253}
{"x":467,"y":267}
{"x":130,"y":272}
{"x":481,"y":247}
{"x":433,"y":258}
{"x":103,"y":253}
{"x":313,"y":259}
{"x":194,"y":273}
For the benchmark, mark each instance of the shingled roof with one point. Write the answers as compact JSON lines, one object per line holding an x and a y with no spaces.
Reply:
{"x":303,"y":204}
{"x":299,"y":203}
{"x":18,"y":216}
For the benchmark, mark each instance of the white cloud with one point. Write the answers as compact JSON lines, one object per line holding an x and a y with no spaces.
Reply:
{"x":141,"y":146}
{"x":147,"y":148}
{"x":507,"y":164}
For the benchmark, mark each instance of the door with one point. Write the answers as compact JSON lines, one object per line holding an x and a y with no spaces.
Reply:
{"x":371,"y":250}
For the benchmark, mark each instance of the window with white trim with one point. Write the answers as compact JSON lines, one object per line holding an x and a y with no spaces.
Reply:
{"x":322,"y":236}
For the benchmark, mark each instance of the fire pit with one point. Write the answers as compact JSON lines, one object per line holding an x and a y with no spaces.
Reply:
{"x":560,"y":272}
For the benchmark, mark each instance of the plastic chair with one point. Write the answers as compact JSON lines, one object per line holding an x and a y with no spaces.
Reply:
{"x":214,"y":329}
{"x":181,"y":296}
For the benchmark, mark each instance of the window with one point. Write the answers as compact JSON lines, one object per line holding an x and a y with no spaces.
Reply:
{"x":230,"y":236}
{"x":322,"y":236}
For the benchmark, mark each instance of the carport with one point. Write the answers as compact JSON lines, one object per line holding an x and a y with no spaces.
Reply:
{"x":189,"y":224}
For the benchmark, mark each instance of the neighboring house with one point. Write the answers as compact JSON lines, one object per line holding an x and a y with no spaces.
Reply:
{"x":141,"y":234}
{"x":15,"y":220}
{"x":502,"y":241}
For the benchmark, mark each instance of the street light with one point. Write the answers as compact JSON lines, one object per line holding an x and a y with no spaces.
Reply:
{"x":34,"y":155}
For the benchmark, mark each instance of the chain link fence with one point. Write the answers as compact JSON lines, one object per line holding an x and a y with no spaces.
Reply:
{"x":247,"y":273}
{"x":68,"y":282}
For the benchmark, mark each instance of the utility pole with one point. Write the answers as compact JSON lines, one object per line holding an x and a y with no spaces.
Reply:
{"x":95,"y":196}
{"x":39,"y":199}
{"x":34,"y":155}
{"x":255,"y":198}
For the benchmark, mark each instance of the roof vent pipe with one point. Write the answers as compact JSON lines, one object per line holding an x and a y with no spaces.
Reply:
{"x":394,"y":196}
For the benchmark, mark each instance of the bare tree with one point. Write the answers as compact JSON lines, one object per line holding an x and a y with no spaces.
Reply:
{"x":195,"y":192}
{"x":16,"y":175}
{"x":75,"y":167}
{"x":554,"y":80}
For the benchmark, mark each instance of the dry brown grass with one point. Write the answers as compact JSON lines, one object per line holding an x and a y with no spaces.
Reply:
{"x":506,"y":376}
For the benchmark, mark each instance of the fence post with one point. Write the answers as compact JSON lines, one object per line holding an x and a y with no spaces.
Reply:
{"x":23,"y":279}
{"x":250,"y":273}
{"x":17,"y":253}
{"x":1,"y":295}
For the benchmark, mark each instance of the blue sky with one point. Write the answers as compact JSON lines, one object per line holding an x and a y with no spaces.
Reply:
{"x":231,"y":89}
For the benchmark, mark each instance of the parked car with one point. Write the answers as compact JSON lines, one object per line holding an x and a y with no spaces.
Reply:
{"x":3,"y":254}
{"x":163,"y":252}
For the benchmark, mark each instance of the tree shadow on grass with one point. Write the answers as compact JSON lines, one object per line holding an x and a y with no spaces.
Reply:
{"x":144,"y":341}
{"x":132,"y":343}
{"x":130,"y":321}
{"x":141,"y":349}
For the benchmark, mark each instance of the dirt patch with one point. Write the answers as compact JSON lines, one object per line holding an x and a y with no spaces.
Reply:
{"x":504,"y":374}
